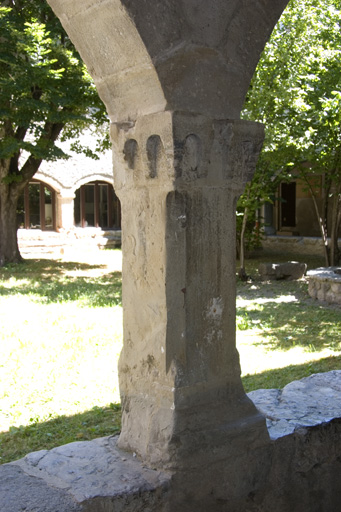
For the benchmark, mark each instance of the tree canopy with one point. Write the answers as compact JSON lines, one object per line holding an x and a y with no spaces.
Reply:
{"x":45,"y":93}
{"x":296,"y":93}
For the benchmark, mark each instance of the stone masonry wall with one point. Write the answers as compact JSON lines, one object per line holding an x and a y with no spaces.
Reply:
{"x":325,"y":285}
{"x":296,"y":245}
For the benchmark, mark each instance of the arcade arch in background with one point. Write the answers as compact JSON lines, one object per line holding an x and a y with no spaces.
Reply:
{"x":37,"y":207}
{"x":96,"y":205}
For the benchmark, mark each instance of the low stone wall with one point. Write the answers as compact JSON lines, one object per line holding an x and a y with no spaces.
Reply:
{"x":298,"y":470}
{"x":325,"y":284}
{"x":295,"y":245}
{"x":54,"y":243}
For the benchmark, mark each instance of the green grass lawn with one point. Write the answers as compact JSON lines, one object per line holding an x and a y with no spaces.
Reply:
{"x":61,"y":335}
{"x":283,"y":334}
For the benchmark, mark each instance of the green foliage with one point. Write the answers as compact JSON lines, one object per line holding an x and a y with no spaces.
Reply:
{"x":296,"y":93}
{"x":43,"y":83}
{"x":296,"y":87}
{"x":46,"y":94}
{"x":258,"y":192}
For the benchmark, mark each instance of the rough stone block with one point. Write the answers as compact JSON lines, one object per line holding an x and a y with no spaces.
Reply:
{"x":336,"y":288}
{"x":289,"y":271}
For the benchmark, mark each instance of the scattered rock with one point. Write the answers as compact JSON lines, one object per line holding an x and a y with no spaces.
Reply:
{"x":289,"y":270}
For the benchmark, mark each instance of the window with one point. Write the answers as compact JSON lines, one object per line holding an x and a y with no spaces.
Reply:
{"x":96,"y":205}
{"x":36,"y":207}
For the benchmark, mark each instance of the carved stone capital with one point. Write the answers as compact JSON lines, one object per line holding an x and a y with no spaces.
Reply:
{"x":176,"y":151}
{"x":240,"y":143}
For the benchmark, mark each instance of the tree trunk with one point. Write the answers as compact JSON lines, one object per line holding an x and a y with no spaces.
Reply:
{"x":321,"y":221}
{"x":335,"y":223}
{"x":9,"y":250}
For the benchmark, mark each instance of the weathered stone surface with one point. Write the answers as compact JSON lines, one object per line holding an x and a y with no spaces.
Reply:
{"x":303,"y":403}
{"x":289,"y":270}
{"x":305,"y":471}
{"x":182,"y":158}
{"x":299,"y":470}
{"x":173,"y":76}
{"x":88,"y":476}
{"x":177,"y":262}
{"x":22,"y":492}
{"x":304,"y":422}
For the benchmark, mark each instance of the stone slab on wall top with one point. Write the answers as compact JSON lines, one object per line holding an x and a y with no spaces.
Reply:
{"x":302,"y":403}
{"x":95,"y":476}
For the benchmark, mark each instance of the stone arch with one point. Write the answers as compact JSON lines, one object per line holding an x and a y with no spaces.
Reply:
{"x":91,"y":177}
{"x":146,"y":57}
{"x":115,"y":55}
{"x":37,"y":206}
{"x":49,"y":180}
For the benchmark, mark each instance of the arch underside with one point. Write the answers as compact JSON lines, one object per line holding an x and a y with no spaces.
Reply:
{"x":185,"y":55}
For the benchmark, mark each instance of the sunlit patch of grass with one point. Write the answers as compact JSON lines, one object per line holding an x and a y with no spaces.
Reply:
{"x":279,"y":377}
{"x":283,"y":333}
{"x":60,"y":339}
{"x":55,"y":360}
{"x":61,"y":335}
{"x":290,"y":324}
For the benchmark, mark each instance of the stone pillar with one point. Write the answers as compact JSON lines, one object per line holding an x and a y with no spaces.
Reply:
{"x":178,"y":176}
{"x":65,"y":207}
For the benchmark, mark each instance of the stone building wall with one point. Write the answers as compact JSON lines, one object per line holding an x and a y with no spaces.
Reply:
{"x":293,"y":245}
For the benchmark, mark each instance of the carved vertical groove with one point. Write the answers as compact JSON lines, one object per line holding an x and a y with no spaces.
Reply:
{"x":154,"y":150}
{"x":130,"y":152}
{"x":191,"y":159}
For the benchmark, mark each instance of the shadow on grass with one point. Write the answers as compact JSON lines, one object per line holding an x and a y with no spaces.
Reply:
{"x":48,"y":282}
{"x":286,"y":325}
{"x":105,"y":421}
{"x":280,"y":377}
{"x":43,"y":266}
{"x":98,"y":422}
{"x":272,"y":289}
